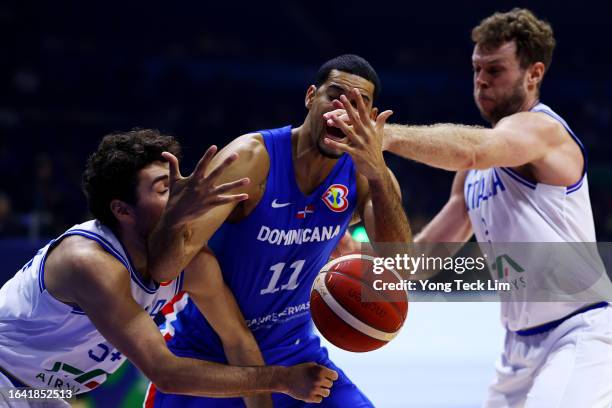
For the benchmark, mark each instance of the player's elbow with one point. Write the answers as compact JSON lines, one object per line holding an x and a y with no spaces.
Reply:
{"x":478,"y":158}
{"x":165,"y":381}
{"x":164,"y":373}
{"x":467,"y":158}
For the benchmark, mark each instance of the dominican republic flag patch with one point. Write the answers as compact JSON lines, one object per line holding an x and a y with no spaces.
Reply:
{"x":309,"y":209}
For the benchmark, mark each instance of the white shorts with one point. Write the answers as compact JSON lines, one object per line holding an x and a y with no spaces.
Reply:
{"x":569,"y":366}
{"x":5,"y":402}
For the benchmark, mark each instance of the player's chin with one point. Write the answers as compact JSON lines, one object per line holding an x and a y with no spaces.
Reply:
{"x":326,"y":150}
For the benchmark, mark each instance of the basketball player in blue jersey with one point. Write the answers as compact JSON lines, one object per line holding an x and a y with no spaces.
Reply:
{"x":84,"y":304}
{"x":523,"y":180}
{"x":270,"y":247}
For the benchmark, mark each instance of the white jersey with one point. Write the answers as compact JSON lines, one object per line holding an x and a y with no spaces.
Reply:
{"x":505,"y":207}
{"x":49,"y":344}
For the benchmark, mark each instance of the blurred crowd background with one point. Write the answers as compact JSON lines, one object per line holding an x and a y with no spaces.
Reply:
{"x":207,"y":72}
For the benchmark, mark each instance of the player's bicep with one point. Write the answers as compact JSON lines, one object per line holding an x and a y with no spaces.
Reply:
{"x":252,"y":162}
{"x":104,"y":294}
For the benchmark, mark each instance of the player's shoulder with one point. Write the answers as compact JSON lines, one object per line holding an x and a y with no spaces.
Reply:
{"x":81,"y":258}
{"x":78,"y":264}
{"x":538,"y":124}
{"x":250,"y":145}
{"x":253,"y":160}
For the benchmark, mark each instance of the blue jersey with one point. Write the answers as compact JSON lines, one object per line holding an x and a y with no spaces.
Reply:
{"x":270,"y":259}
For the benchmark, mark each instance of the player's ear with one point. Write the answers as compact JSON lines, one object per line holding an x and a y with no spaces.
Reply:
{"x":535,"y":73}
{"x":121,"y":210}
{"x":310,"y":93}
{"x":374,"y":113}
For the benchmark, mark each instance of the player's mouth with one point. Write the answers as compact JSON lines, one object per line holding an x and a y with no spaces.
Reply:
{"x":334,"y":133}
{"x":483,"y":98}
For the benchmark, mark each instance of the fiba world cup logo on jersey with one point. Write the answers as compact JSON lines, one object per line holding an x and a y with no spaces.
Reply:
{"x":336,"y":197}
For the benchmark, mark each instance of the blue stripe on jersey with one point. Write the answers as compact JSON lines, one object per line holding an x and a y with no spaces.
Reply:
{"x":516,"y":176}
{"x":269,"y":259}
{"x":104,"y":243}
{"x":113,"y":251}
{"x":179,"y":283}
{"x":540,"y":107}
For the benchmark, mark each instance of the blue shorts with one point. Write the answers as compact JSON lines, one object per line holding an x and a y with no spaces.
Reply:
{"x":343,"y":393}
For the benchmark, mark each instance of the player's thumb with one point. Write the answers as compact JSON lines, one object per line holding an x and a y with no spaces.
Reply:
{"x":382,"y":119}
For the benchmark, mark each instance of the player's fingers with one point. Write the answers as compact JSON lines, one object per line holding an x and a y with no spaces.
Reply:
{"x":316,"y":399}
{"x":352,"y":114}
{"x":173,"y":164}
{"x":337,"y":104}
{"x":204,"y":162}
{"x":339,"y":146}
{"x":219,"y":169}
{"x":339,"y":111}
{"x":226,"y":199}
{"x":382,"y":119}
{"x":361,"y":107}
{"x":344,"y":118}
{"x":330,"y":374}
{"x":224,"y":188}
{"x":346,"y":129}
{"x":326,"y":383}
{"x":323,"y":392}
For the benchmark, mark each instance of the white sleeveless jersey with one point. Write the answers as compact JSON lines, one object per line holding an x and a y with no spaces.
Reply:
{"x":47,"y":343}
{"x":504,"y":207}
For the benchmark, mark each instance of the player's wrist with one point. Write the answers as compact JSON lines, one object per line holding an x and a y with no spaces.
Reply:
{"x":278,"y":379}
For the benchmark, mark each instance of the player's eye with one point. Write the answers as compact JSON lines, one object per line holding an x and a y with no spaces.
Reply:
{"x":494,"y":70}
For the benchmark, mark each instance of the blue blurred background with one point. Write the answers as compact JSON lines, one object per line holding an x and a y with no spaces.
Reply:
{"x":207,"y":72}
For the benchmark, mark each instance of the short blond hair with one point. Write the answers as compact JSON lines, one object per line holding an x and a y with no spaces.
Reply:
{"x":533,"y":37}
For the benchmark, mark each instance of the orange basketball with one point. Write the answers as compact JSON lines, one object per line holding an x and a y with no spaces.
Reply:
{"x":351,"y":310}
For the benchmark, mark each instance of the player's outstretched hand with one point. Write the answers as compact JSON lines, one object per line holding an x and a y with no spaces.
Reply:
{"x":192,"y":196}
{"x":365,"y":137}
{"x":309,"y":382}
{"x":341,"y":114}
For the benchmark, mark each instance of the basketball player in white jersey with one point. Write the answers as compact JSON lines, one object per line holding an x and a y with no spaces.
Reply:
{"x":523,"y":180}
{"x":84,"y":303}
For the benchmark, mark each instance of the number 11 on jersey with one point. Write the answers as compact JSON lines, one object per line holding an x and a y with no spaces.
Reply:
{"x":277,"y":270}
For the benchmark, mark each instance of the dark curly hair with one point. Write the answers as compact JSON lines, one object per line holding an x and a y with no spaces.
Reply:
{"x":112,"y":170}
{"x":534,"y":38}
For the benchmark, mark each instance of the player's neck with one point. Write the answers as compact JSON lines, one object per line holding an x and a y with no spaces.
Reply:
{"x":309,"y":165}
{"x":136,"y":248}
{"x":528,"y":104}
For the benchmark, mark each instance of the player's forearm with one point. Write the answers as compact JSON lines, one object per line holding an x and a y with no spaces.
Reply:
{"x":169,"y":249}
{"x":203,"y":378}
{"x":446,"y":146}
{"x":449,"y":225}
{"x":245,"y":352}
{"x":390,"y":221}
